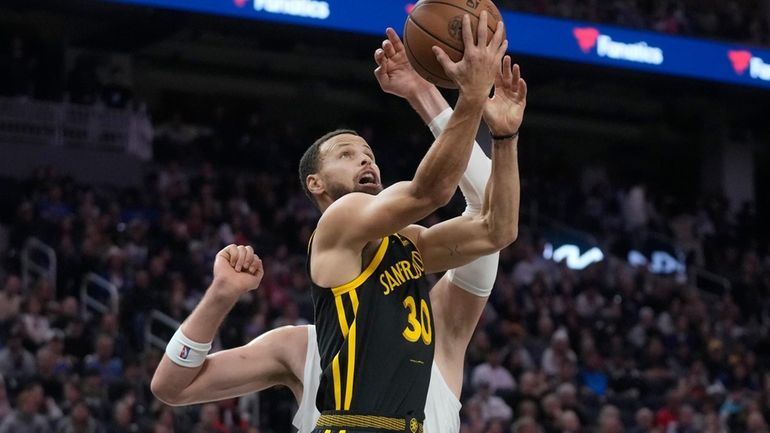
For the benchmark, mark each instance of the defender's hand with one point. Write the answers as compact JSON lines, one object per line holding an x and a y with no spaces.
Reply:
{"x":394,"y":72}
{"x":504,"y":111}
{"x":475,"y":73}
{"x":237,"y":269}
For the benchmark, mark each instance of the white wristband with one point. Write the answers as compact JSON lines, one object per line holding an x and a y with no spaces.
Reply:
{"x":186,"y":353}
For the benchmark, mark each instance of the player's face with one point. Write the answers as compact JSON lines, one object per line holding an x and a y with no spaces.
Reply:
{"x":347,"y":165}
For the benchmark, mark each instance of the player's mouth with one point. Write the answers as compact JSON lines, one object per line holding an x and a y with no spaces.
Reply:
{"x":368,"y":177}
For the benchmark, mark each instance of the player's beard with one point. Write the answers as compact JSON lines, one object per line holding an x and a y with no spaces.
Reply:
{"x":337,"y":190}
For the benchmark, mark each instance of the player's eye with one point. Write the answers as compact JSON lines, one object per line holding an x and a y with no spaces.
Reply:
{"x":345,"y":155}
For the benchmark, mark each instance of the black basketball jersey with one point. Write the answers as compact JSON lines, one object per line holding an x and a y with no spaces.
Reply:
{"x":375,"y":336}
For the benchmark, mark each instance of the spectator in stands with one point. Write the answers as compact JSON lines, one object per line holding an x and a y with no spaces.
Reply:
{"x":645,"y":421}
{"x":17,"y":364}
{"x":80,"y":420}
{"x":557,"y":353}
{"x":552,"y":411}
{"x":123,"y":418}
{"x":209,"y":420}
{"x":497,"y":377}
{"x":10,"y":302}
{"x":609,"y":420}
{"x":593,"y":376}
{"x":526,"y":424}
{"x":26,"y":417}
{"x":569,"y":422}
{"x":5,"y":404}
{"x":492,"y":407}
{"x":34,"y":322}
{"x":104,"y":361}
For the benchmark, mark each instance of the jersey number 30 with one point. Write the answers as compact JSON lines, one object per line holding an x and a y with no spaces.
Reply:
{"x":418,"y":328}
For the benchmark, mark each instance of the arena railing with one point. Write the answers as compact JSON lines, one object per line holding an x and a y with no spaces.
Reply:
{"x":25,"y":121}
{"x":156,"y":338}
{"x":104,"y":300}
{"x":38,"y":260}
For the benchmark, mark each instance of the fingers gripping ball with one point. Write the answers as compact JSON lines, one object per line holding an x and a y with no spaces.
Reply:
{"x":439,"y":22}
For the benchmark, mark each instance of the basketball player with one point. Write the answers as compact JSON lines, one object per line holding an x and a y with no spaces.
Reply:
{"x":367,"y":262}
{"x":286,"y":362}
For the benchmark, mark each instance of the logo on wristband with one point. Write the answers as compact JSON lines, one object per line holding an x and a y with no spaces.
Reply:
{"x":185,"y":352}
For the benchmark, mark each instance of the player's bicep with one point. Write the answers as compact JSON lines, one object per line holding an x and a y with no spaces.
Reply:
{"x":364,"y":218}
{"x":454,"y":243}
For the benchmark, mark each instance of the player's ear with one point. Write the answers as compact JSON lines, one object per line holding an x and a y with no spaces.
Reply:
{"x":315,"y":184}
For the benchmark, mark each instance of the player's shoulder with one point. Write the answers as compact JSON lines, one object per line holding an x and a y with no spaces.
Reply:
{"x":342,"y":212}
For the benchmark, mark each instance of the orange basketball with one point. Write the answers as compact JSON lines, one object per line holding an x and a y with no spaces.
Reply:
{"x":439,"y":22}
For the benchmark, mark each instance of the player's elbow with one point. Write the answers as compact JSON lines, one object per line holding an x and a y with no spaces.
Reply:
{"x":165,"y":393}
{"x":440,"y":194}
{"x":432,"y":196}
{"x":442,"y":198}
{"x":504,"y":236}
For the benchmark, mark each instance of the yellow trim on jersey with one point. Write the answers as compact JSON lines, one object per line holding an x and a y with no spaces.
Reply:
{"x":341,"y":316}
{"x":369,"y":422}
{"x":337,"y":382}
{"x":351,"y":366}
{"x":310,"y":241}
{"x":354,"y":301}
{"x":341,"y":290}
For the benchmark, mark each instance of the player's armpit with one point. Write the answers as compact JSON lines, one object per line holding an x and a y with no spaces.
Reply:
{"x":455,"y":242}
{"x":264,"y":362}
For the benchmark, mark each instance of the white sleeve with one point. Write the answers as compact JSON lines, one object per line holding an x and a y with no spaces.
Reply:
{"x":477,"y":277}
{"x":474,"y":180}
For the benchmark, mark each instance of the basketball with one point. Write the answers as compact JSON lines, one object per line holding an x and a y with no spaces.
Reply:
{"x":439,"y":22}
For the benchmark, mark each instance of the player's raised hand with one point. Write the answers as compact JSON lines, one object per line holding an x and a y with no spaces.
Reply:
{"x":237,"y":269}
{"x":394,"y":72}
{"x":475,"y":73}
{"x":504,"y":111}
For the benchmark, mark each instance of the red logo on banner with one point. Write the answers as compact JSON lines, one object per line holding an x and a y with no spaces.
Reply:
{"x":240,"y":3}
{"x":586,"y":37}
{"x":740,"y":60}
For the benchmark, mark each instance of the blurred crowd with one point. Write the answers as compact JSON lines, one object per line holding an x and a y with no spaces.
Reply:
{"x":746,"y":21}
{"x":609,"y":348}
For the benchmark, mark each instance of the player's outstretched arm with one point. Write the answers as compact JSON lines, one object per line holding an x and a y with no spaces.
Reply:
{"x":463,"y":239}
{"x":359,"y":218}
{"x":263,"y":363}
{"x":187,"y":375}
{"x":396,"y":76}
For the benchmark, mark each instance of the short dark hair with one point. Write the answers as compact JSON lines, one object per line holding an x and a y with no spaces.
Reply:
{"x":310,"y":163}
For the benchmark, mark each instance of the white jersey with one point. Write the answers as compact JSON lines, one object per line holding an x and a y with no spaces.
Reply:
{"x":442,"y":408}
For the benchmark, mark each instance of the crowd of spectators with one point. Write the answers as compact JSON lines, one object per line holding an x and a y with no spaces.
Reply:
{"x":746,"y":21}
{"x":609,"y":348}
